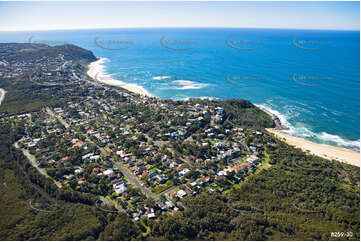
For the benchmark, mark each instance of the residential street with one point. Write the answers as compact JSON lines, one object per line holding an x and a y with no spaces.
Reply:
{"x":144,"y":189}
{"x":34,"y":163}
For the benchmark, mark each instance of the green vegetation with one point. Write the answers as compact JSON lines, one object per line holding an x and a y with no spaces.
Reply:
{"x":286,"y":194}
{"x":32,"y":209}
{"x":285,"y":202}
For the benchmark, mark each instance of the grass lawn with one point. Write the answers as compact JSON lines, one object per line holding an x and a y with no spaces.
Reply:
{"x":146,"y":227}
{"x":162,"y":187}
{"x":153,"y":170}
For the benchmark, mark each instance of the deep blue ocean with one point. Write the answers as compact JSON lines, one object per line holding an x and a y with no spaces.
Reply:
{"x":309,"y":78}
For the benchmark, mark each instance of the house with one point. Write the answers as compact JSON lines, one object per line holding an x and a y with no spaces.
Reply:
{"x":65,"y":158}
{"x":253,"y":148}
{"x":152,"y":175}
{"x":68,"y":177}
{"x":119,"y":187}
{"x":181,"y":193}
{"x":87,"y":156}
{"x":96,"y":170}
{"x":78,"y":144}
{"x":240,"y":168}
{"x":78,"y":171}
{"x":108,"y":172}
{"x":252,"y":159}
{"x":219,"y":110}
{"x":184,"y":172}
{"x":94,"y":157}
{"x":222,"y":173}
{"x":169,"y":204}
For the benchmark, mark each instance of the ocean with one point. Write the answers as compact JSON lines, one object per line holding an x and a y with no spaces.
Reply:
{"x":309,"y":78}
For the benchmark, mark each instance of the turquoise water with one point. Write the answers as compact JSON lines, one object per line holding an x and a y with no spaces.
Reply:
{"x":310,"y":78}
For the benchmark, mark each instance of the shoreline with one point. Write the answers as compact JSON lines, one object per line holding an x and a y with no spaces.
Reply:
{"x":96,"y":71}
{"x":322,"y":150}
{"x":326,"y":151}
{"x":330,"y":152}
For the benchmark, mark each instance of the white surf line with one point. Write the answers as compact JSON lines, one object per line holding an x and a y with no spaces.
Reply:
{"x":2,"y":91}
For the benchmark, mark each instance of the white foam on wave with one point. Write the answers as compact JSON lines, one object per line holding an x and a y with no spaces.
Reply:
{"x":161,"y":77}
{"x":283,"y":118}
{"x":339,"y":140}
{"x":97,"y":67}
{"x":186,"y":85}
{"x":202,"y":98}
{"x":305,"y":132}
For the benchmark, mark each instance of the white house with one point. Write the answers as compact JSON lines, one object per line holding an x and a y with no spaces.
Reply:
{"x":119,"y":187}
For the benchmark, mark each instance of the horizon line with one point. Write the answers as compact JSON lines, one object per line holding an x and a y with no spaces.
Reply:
{"x":175,"y":27}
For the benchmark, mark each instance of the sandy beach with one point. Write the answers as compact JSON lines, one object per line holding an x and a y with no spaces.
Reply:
{"x":325,"y":151}
{"x":96,"y":71}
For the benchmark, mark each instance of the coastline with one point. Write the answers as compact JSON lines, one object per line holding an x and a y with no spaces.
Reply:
{"x":325,"y":151}
{"x":96,"y":71}
{"x":329,"y":152}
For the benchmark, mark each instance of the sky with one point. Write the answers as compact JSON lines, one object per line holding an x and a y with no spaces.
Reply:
{"x":92,"y":15}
